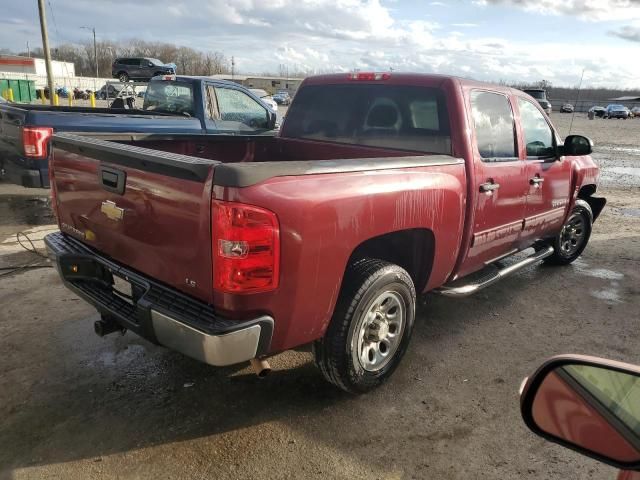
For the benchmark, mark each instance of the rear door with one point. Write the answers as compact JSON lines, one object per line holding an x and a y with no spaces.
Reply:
{"x":549,"y":177}
{"x":500,"y":173}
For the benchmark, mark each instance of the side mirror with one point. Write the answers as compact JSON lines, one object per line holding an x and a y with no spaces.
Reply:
{"x":589,"y":405}
{"x":577,"y":145}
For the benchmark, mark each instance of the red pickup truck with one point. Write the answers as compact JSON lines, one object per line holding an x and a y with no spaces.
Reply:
{"x":379,"y":187}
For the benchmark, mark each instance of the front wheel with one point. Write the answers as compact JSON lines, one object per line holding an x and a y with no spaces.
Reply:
{"x":370,"y":328}
{"x":123,"y":77}
{"x":569,"y":244}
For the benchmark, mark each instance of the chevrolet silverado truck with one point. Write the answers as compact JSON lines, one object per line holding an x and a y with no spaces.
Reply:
{"x":172,"y":104}
{"x":380,"y":187}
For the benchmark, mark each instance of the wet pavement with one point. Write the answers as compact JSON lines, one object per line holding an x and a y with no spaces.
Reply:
{"x":76,"y":406}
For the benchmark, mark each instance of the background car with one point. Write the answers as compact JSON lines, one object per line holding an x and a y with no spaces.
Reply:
{"x":636,"y":112}
{"x":265,"y":97}
{"x":566,"y":108}
{"x":140,"y":68}
{"x":615,"y":110}
{"x":598,"y":111}
{"x":111,"y":89}
{"x":282,"y":98}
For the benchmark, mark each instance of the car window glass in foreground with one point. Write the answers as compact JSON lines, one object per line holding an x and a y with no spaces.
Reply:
{"x":239,"y":112}
{"x":618,"y":392}
{"x":169,"y":97}
{"x":494,"y":125}
{"x":386,"y":116}
{"x":537,"y":133}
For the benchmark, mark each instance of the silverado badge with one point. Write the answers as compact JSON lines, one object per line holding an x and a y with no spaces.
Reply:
{"x":111,"y":210}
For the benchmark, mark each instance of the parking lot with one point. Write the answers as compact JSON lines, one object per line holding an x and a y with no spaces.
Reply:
{"x":77,"y":406}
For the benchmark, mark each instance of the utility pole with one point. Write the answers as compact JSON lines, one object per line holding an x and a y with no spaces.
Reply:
{"x":233,"y":67}
{"x":95,"y":48}
{"x":45,"y":47}
{"x":28,"y":50}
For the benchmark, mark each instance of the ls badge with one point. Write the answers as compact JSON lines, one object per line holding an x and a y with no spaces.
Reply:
{"x":111,"y":210}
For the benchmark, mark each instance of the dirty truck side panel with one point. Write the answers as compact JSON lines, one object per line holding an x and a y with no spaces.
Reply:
{"x":323,"y":218}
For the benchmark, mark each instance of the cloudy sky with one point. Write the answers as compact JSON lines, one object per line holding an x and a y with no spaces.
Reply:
{"x":513,"y":40}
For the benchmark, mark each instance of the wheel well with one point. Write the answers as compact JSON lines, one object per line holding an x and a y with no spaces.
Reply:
{"x":597,"y":204}
{"x":411,"y":249}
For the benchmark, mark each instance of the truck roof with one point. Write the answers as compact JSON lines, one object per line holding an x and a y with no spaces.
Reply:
{"x":199,"y":78}
{"x":419,"y":79}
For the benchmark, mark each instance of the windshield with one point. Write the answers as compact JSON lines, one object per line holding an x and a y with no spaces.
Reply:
{"x":616,"y":107}
{"x":169,"y":97}
{"x":155,"y":61}
{"x":387,"y":116}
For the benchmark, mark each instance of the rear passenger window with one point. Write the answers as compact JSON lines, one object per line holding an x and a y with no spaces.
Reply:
{"x":537,"y":134}
{"x":494,"y":125}
{"x":399,"y":117}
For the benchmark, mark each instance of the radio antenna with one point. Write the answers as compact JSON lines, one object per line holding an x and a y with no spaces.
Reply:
{"x":577,"y":99}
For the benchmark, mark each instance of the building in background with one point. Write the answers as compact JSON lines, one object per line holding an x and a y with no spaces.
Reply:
{"x":269,"y":84}
{"x":35,"y":66}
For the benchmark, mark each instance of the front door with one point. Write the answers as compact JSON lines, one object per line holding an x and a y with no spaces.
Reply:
{"x":549,"y":177}
{"x":500,"y":175}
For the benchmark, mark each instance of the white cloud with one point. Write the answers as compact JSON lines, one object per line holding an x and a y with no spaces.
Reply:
{"x":337,"y":35}
{"x":590,"y":10}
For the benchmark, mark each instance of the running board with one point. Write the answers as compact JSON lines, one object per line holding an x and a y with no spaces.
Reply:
{"x":471,"y":288}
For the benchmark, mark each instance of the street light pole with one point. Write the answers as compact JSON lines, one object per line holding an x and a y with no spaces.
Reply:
{"x":45,"y":47}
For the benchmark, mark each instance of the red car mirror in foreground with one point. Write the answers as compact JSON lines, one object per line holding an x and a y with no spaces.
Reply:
{"x":588,"y":404}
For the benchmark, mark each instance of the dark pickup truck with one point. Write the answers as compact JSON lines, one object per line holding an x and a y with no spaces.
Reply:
{"x":379,"y":187}
{"x":172,"y":104}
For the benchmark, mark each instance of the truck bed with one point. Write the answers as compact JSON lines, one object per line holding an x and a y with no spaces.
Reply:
{"x":165,"y":205}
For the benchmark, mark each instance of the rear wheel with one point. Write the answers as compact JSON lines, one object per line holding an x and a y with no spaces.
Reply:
{"x":569,"y":244}
{"x":370,"y":328}
{"x":123,"y":77}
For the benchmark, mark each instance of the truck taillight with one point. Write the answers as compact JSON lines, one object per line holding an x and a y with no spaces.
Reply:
{"x":246,"y":248}
{"x":35,"y":140}
{"x":368,"y":76}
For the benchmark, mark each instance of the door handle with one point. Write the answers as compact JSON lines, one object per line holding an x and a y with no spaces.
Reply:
{"x":489,"y":187}
{"x":536,"y":181}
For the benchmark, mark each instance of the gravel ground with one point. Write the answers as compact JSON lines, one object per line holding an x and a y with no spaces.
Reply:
{"x":75,"y":406}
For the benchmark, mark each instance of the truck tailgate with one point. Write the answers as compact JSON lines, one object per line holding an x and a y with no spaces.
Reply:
{"x":146,"y":209}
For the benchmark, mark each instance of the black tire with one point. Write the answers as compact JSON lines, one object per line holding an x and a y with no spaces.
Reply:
{"x":568,"y":246}
{"x":123,"y":77}
{"x":366,"y":281}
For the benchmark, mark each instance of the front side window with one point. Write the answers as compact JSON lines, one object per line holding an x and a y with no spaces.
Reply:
{"x":494,"y":125}
{"x":538,"y":136}
{"x":239,"y":112}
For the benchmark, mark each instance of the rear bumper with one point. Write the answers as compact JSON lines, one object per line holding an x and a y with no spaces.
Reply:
{"x":158,"y":313}
{"x":29,"y":176}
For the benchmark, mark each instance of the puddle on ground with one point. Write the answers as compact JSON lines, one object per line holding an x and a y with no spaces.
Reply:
{"x":628,"y":212}
{"x":584,"y":268}
{"x":611,"y":293}
{"x":635,"y":171}
{"x":21,"y":210}
{"x":607,"y":294}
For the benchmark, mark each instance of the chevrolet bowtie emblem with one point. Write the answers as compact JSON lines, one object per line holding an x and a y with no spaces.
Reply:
{"x":111,"y":210}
